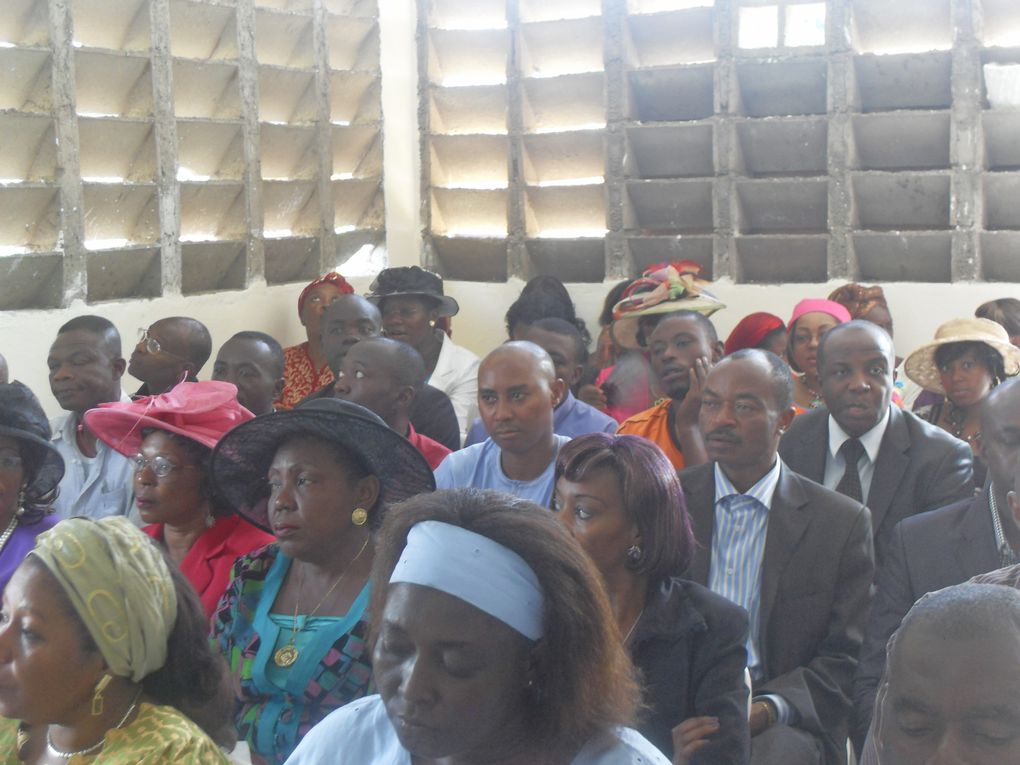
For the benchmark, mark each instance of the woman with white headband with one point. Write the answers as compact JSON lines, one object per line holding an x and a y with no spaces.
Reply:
{"x":493,"y":642}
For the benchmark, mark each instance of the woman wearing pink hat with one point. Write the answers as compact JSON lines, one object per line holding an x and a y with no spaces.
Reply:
{"x":171,"y":438}
{"x":811,"y":319}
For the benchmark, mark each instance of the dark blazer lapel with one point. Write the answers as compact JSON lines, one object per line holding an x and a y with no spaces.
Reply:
{"x":975,"y":551}
{"x":788,"y":519}
{"x":699,"y":490}
{"x":809,"y":451}
{"x":890,"y":467}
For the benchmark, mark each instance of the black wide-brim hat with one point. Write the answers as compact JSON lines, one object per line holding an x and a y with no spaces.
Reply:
{"x":241,"y":460}
{"x":411,"y":280}
{"x":23,"y":419}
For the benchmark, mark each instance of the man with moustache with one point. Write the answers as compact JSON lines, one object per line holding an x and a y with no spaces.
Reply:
{"x":797,"y":556}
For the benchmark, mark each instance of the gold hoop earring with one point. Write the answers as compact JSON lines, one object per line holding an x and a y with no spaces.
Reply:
{"x":97,"y":695}
{"x":359,"y":517}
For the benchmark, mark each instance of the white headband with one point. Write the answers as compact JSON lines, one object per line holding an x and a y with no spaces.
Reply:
{"x":473,"y":568}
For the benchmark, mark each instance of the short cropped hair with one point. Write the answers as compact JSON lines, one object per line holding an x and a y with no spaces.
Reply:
{"x":275,"y":349}
{"x":99,"y":326}
{"x":779,"y":371}
{"x":647,"y":324}
{"x":566,"y":329}
{"x":586,"y":681}
{"x":651,"y":491}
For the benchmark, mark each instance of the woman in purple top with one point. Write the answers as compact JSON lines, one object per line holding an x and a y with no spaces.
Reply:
{"x":30,"y":470}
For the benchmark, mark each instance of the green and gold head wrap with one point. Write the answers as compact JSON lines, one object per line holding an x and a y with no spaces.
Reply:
{"x":120,"y":587}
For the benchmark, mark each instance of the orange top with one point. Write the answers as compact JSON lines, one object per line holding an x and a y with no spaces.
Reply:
{"x":653,"y":424}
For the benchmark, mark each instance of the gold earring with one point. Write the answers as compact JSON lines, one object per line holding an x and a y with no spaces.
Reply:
{"x":97,"y":695}
{"x":432,"y":322}
{"x":359,"y":517}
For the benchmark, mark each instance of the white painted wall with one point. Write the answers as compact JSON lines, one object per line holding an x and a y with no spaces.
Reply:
{"x":25,"y":336}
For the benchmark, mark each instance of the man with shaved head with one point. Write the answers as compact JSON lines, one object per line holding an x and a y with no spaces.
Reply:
{"x":385,"y":376}
{"x":85,"y":369}
{"x":517,"y":393}
{"x":169,"y":351}
{"x":949,"y":694}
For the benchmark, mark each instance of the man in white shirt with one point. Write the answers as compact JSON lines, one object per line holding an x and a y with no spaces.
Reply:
{"x":85,"y":370}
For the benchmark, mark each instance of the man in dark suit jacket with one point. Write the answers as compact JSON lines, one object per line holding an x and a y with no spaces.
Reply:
{"x":945,"y":547}
{"x":906,"y":466}
{"x":796,"y":555}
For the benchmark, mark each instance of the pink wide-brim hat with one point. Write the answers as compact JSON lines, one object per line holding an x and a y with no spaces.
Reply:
{"x":201,"y":411}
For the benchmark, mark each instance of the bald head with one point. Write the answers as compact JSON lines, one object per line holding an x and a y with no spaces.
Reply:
{"x":524,"y":353}
{"x":517,"y":393}
{"x":1000,"y":435}
{"x":182,"y":346}
{"x":382,"y":375}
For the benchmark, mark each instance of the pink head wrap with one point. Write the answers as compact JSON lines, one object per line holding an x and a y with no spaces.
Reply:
{"x":834,"y":309}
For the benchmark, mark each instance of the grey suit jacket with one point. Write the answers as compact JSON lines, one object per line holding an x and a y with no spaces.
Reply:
{"x":815,"y":591}
{"x":927,"y":552}
{"x":919,"y":467}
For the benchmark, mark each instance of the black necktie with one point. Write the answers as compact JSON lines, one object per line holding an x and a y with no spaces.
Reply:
{"x":850,"y":483}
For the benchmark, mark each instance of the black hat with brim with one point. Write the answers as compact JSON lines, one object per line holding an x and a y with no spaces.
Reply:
{"x":411,"y":280}
{"x":22,"y":418}
{"x":241,"y":460}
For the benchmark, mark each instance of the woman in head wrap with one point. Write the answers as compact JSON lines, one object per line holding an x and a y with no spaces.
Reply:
{"x":758,"y":330}
{"x":412,"y":303}
{"x":493,"y":642}
{"x":621,"y":499}
{"x":810,"y":321}
{"x":292,"y":624}
{"x":30,"y":470}
{"x":170,"y":438}
{"x":104,"y":655}
{"x":305,"y":368}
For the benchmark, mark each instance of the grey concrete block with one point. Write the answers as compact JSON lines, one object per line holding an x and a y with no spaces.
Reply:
{"x":783,"y":206}
{"x":131,"y":272}
{"x":904,"y":256}
{"x":782,"y":259}
{"x":471,"y":258}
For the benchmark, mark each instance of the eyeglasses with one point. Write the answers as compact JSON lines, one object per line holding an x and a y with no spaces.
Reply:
{"x":161,"y":467}
{"x":152,"y":345}
{"x":10,"y":462}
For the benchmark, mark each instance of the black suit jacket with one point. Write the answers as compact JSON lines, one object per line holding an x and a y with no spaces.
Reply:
{"x":919,"y":467}
{"x":926,"y":553}
{"x":815,"y":591}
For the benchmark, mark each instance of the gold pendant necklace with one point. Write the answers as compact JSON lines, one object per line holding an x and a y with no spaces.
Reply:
{"x":287,"y":654}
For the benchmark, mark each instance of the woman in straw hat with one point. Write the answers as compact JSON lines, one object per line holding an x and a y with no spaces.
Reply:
{"x":30,"y":470}
{"x":966,"y":360}
{"x":104,"y":655}
{"x":170,"y":437}
{"x":494,"y":642}
{"x":292,"y":622}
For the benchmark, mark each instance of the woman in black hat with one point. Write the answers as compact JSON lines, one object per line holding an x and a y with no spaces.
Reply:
{"x":292,"y":622}
{"x":30,"y":470}
{"x":412,"y":303}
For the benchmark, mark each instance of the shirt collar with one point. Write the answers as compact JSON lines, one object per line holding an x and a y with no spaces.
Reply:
{"x":761,"y":491}
{"x":871,"y":441}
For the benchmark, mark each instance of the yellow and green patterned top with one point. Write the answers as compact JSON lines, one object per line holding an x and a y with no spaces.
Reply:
{"x":158,"y":735}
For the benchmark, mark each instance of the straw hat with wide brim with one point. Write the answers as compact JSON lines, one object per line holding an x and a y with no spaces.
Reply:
{"x":22,"y":418}
{"x":411,"y":280}
{"x":920,"y":365}
{"x":240,"y":462}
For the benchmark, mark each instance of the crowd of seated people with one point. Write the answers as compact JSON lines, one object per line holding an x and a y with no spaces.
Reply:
{"x":376,"y":547}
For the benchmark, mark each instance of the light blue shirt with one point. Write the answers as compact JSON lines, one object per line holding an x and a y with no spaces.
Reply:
{"x":738,"y":549}
{"x":93,"y":486}
{"x":478,"y":466}
{"x":360,"y":733}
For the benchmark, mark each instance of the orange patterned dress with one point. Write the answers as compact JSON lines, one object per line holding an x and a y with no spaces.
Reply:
{"x":300,"y":378}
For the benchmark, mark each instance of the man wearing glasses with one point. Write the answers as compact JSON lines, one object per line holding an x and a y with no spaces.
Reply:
{"x":169,"y":351}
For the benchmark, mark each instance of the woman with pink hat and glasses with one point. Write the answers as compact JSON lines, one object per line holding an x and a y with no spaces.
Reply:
{"x":811,"y":319}
{"x":171,"y":438}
